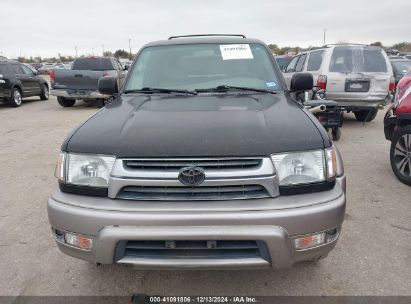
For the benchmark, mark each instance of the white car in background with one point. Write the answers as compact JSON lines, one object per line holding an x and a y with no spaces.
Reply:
{"x":358,"y":77}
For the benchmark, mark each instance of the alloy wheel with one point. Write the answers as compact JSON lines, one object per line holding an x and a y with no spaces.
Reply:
{"x":17,"y":97}
{"x":402,"y":155}
{"x":46,"y":92}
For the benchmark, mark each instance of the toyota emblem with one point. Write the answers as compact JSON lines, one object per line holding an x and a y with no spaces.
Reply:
{"x":191,"y":176}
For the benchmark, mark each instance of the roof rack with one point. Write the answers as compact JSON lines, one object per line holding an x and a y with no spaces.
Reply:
{"x":207,"y":35}
{"x":345,"y":43}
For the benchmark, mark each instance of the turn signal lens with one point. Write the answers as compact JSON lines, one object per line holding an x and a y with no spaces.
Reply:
{"x":316,"y":239}
{"x":79,"y":241}
{"x":59,"y":172}
{"x":309,"y":241}
{"x":331,"y":160}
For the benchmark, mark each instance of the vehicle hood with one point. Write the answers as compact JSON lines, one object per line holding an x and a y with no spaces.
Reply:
{"x":202,"y":125}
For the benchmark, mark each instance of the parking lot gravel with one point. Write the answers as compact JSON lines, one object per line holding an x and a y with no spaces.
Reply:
{"x":373,"y":256}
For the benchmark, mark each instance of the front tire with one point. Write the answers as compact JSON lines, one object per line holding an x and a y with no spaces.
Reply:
{"x":400,"y":154}
{"x":16,"y":98}
{"x":45,"y":93}
{"x":64,"y":102}
{"x":366,"y":115}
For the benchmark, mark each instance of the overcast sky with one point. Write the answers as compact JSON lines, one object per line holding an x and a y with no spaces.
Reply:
{"x":49,"y":27}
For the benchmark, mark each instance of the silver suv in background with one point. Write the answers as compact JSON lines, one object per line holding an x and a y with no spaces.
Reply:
{"x":358,"y":77}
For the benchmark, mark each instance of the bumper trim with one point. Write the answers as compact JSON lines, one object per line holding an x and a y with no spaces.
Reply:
{"x":275,"y":238}
{"x":168,"y":264}
{"x":256,"y":220}
{"x":92,"y":95}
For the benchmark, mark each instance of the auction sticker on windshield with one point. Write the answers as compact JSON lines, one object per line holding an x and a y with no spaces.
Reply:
{"x":236,"y":51}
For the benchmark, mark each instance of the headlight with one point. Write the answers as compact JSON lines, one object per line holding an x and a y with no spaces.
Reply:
{"x":85,"y":169}
{"x":305,"y":167}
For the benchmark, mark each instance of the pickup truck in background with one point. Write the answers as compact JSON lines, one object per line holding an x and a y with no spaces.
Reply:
{"x":81,"y":81}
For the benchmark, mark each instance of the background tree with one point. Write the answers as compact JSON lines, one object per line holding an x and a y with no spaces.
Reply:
{"x":402,"y":46}
{"x":378,"y":43}
{"x":274,"y":48}
{"x":121,"y":54}
{"x":22,"y":59}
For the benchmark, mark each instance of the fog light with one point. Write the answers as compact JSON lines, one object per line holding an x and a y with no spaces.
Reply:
{"x":79,"y":241}
{"x":309,"y":241}
{"x":332,"y":235}
{"x":59,"y":233}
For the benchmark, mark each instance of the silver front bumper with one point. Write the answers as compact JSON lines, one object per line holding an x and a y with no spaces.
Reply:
{"x":86,"y":95}
{"x":275,"y":227}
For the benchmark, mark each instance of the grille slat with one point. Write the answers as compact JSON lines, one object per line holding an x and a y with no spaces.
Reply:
{"x":193,"y":193}
{"x":191,"y":245}
{"x":212,"y":164}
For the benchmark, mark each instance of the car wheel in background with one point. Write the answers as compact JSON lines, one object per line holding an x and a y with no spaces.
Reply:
{"x":45,"y":93}
{"x":100,"y":103}
{"x":64,"y":102}
{"x":366,"y":115}
{"x":336,"y":133}
{"x":400,"y":154}
{"x":15,"y":99}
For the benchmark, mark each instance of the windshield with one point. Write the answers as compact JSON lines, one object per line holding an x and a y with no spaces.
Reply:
{"x":402,"y":66}
{"x":93,"y":64}
{"x":346,"y":59}
{"x":203,"y":66}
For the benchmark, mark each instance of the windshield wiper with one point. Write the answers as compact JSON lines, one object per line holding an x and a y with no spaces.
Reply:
{"x":226,"y":88}
{"x":148,"y":90}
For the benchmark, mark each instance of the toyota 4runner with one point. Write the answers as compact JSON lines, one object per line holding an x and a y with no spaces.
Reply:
{"x":203,"y":160}
{"x":358,"y":77}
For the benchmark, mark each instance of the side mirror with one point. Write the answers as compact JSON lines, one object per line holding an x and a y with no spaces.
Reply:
{"x":35,"y":73}
{"x":125,"y":68}
{"x":301,"y":82}
{"x":108,"y":85}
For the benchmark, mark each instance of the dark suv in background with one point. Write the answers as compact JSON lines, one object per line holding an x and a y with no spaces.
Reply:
{"x":18,"y":81}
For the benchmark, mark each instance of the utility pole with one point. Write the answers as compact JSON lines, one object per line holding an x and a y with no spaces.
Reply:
{"x":325,"y":30}
{"x":103,"y":48}
{"x":129,"y":46}
{"x":75,"y":48}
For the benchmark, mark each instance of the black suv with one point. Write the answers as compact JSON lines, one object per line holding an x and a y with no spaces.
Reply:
{"x":18,"y":81}
{"x":202,"y":160}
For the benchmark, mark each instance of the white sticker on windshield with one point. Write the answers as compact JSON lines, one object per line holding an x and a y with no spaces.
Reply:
{"x":271,"y":84}
{"x":236,"y":51}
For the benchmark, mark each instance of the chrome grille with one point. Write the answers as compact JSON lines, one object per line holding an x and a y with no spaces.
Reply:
{"x":207,"y":164}
{"x":225,"y":179}
{"x":193,"y":193}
